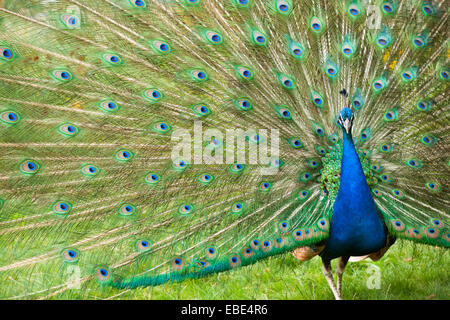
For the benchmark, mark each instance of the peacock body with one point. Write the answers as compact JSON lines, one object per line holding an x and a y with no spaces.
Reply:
{"x":147,"y":141}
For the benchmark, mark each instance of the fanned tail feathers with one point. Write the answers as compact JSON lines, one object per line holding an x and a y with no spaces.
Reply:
{"x":97,"y":96}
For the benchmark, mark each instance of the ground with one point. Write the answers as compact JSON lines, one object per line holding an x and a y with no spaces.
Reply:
{"x":407,"y":271}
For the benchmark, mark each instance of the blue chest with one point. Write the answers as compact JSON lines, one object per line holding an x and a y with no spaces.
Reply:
{"x":355,"y":229}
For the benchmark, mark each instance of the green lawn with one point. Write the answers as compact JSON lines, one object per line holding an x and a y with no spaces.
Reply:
{"x":408,"y":271}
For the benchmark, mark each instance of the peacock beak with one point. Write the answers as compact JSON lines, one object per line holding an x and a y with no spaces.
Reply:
{"x":347,"y":124}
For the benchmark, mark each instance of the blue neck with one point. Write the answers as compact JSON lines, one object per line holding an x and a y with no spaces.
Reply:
{"x":356,"y":228}
{"x":352,"y":174}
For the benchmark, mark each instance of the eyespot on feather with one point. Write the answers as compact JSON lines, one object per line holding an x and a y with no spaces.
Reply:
{"x":152,"y":178}
{"x":198,"y":75}
{"x":258,"y":38}
{"x":138,"y":4}
{"x":62,"y":207}
{"x":153,"y":95}
{"x":143,"y":245}
{"x":323,"y":224}
{"x":29,"y":167}
{"x":68,"y":129}
{"x":437,"y":223}
{"x":185,"y":209}
{"x":70,"y":21}
{"x":267,"y":246}
{"x":303,"y":195}
{"x":285,"y":81}
{"x":71,"y":255}
{"x":237,"y":208}
{"x":398,"y":225}
{"x":237,"y":168}
{"x":90,"y":170}
{"x":161,"y":47}
{"x":283,"y":112}
{"x":243,"y":103}
{"x":316,"y":25}
{"x":295,"y":142}
{"x":354,"y":10}
{"x":243,"y":72}
{"x":265,"y":186}
{"x":180,"y":165}
{"x":234,"y":261}
{"x":283,"y":7}
{"x":388,"y":8}
{"x":161,"y":127}
{"x":109,"y":106}
{"x":398,"y":193}
{"x":248,"y":253}
{"x":280,"y":242}
{"x":283,"y":226}
{"x":103,"y":275}
{"x":124,"y":155}
{"x":298,"y":235}
{"x":7,"y":53}
{"x":9,"y":117}
{"x":211,"y":253}
{"x":201,"y":110}
{"x":127,"y":209}
{"x":413,"y":233}
{"x":112,"y":59}
{"x":431,"y":232}
{"x":61,"y":75}
{"x":255,"y":244}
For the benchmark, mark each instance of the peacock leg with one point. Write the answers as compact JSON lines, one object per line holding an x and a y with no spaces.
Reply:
{"x":342,"y":262}
{"x":328,"y":273}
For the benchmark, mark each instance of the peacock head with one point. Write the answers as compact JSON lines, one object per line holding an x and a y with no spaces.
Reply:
{"x":345,"y":119}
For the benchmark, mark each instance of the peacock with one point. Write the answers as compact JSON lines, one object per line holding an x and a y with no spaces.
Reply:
{"x":152,"y":141}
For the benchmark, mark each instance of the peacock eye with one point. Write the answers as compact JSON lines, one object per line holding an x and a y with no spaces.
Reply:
{"x":186,"y":209}
{"x":143,"y":245}
{"x":103,"y":274}
{"x":177,"y":263}
{"x":354,"y":11}
{"x":6,"y":53}
{"x":161,"y":127}
{"x":61,"y":75}
{"x":428,"y":9}
{"x":243,"y":104}
{"x":331,"y":69}
{"x":62,"y":207}
{"x":9,"y":117}
{"x":153,"y":95}
{"x":316,"y":25}
{"x":127,"y":209}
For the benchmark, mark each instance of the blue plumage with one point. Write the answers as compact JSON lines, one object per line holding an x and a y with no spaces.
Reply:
{"x":356,"y":228}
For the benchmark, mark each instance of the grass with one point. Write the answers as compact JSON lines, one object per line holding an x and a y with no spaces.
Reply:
{"x":407,"y":271}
